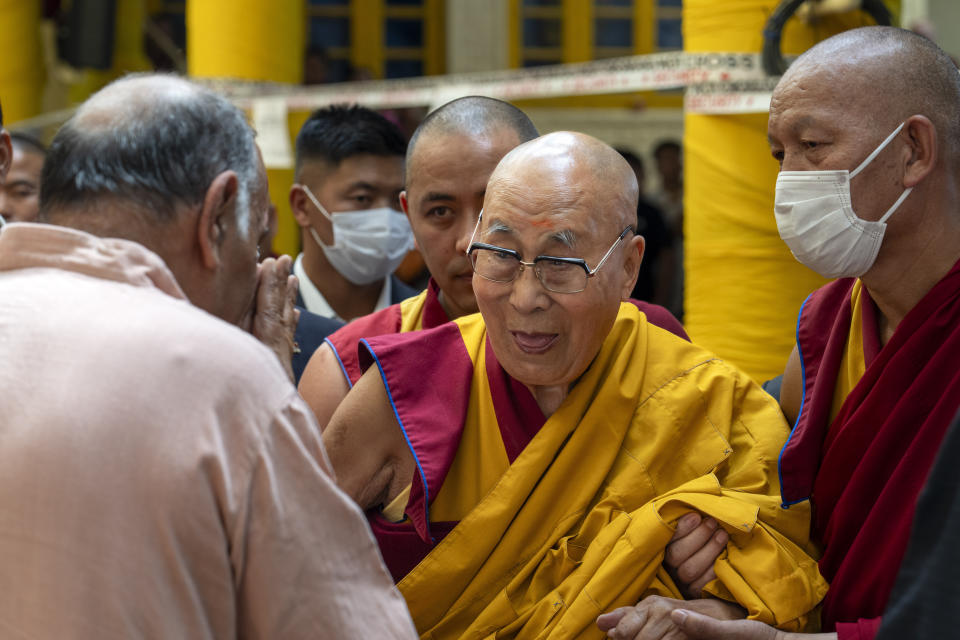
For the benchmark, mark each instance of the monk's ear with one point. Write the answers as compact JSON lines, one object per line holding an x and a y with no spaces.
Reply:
{"x":299,"y":204}
{"x":405,"y":206}
{"x":922,"y":149}
{"x":6,"y":155}
{"x":631,"y":264}
{"x":219,"y":208}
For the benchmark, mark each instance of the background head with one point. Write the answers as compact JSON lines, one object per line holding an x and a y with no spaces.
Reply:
{"x":351,"y":159}
{"x":636,"y":163}
{"x":163,"y":162}
{"x":20,"y":196}
{"x":564,"y":195}
{"x":449,"y":160}
{"x":6,"y":152}
{"x":839,"y":100}
{"x":669,"y":159}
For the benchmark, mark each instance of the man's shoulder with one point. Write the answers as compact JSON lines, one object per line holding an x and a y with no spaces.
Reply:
{"x":178,"y":340}
{"x":382,"y":322}
{"x":661,"y":317}
{"x":400,"y":290}
{"x":668,"y":357}
{"x":312,"y":329}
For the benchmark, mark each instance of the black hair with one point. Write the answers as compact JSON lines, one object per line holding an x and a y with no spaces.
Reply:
{"x":338,"y":132}
{"x":635,"y":161}
{"x":673,"y":145}
{"x":27,"y":142}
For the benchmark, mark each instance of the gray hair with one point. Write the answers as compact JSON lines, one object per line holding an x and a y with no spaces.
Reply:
{"x":153,"y":142}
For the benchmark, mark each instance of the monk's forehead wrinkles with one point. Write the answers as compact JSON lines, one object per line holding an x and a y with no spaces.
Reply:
{"x":547,"y":197}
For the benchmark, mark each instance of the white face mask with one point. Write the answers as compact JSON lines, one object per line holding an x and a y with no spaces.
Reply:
{"x":815,"y":218}
{"x":368,"y":244}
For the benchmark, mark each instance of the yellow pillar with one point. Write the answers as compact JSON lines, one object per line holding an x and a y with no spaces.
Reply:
{"x":644,"y":26}
{"x":743,"y":287}
{"x":253,"y":40}
{"x":366,"y":36}
{"x":434,"y":40}
{"x":577,"y":30}
{"x":514,"y":20}
{"x":21,"y":66}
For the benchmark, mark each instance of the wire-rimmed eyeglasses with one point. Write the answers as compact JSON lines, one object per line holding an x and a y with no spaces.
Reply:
{"x":556,"y":274}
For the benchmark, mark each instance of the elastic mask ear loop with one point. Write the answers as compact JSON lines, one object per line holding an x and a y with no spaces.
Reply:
{"x":903,"y":196}
{"x":3,"y":222}
{"x":323,"y":211}
{"x":474,"y":234}
{"x":876,"y":151}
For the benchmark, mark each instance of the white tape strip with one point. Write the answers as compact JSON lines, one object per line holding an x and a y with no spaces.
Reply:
{"x":672,"y":70}
{"x":615,"y":75}
{"x":273,"y":136}
{"x":744,"y":96}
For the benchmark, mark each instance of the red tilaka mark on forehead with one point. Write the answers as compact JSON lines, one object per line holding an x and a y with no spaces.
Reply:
{"x":541,"y":223}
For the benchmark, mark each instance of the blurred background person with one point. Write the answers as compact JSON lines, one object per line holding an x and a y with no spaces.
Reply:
{"x":659,"y":261}
{"x":346,"y":198}
{"x":20,"y":195}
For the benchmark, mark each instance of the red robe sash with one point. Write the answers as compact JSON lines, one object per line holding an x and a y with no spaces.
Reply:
{"x":863,"y":472}
{"x":443,"y":367}
{"x":344,"y":341}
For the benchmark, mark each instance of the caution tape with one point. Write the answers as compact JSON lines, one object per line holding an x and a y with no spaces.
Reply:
{"x":716,"y":98}
{"x":716,"y":83}
{"x":671,"y":70}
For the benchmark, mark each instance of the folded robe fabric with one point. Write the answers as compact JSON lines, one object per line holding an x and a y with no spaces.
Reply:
{"x":578,"y":523}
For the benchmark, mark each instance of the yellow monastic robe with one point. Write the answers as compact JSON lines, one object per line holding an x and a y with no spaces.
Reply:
{"x":577,"y":524}
{"x":854,"y":361}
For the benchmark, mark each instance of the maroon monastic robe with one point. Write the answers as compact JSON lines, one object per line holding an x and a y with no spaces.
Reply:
{"x":864,"y":470}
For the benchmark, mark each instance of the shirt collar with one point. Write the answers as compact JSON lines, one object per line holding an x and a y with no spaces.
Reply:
{"x":314,"y":301}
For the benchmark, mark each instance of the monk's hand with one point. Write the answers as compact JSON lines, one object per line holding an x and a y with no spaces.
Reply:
{"x":650,"y":619}
{"x":696,"y":626}
{"x":273,"y":318}
{"x":690,"y":554}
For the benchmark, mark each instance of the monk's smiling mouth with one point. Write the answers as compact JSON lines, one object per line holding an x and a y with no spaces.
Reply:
{"x":534,"y":343}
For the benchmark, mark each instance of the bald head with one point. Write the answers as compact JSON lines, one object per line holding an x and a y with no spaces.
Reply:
{"x":152,"y":143}
{"x":472,"y":116}
{"x":567,"y":170}
{"x":568,"y":203}
{"x":888,"y":74}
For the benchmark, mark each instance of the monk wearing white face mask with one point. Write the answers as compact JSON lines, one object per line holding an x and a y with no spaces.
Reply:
{"x":872,"y":384}
{"x":349,"y":174}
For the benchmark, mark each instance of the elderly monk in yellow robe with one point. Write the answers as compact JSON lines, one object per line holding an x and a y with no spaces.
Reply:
{"x":534,"y":458}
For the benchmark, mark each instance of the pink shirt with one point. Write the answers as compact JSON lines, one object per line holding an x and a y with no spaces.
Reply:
{"x":159,"y":475}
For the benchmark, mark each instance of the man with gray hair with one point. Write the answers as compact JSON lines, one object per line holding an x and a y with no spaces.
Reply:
{"x":159,"y":475}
